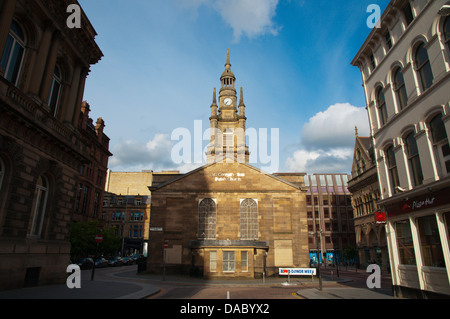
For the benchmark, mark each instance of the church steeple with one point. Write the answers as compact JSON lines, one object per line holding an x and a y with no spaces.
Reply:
{"x":228,"y":79}
{"x":228,"y":121}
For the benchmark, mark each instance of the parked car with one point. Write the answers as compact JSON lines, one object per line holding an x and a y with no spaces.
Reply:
{"x":127,"y":261}
{"x":101,"y":263}
{"x":138,"y":258}
{"x":116,"y":261}
{"x":85,"y":263}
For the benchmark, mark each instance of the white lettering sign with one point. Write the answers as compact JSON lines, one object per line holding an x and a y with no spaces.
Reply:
{"x":228,"y":177}
{"x":419,"y":204}
{"x":297,"y":271}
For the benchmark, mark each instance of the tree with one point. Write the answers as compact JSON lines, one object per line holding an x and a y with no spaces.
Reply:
{"x":350,"y":253}
{"x":82,"y":239}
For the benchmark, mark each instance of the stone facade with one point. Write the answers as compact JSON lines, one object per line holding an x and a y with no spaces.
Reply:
{"x":126,"y":209}
{"x":370,"y":236}
{"x":275,"y":236}
{"x":405,"y":66}
{"x":42,"y":75}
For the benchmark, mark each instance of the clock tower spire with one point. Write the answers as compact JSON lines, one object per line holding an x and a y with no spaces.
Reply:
{"x":228,"y":126}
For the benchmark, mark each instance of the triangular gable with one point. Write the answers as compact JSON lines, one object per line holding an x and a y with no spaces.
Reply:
{"x":227,"y":177}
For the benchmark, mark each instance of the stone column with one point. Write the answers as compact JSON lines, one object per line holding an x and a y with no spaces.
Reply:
{"x":41,"y":59}
{"x":6,"y":17}
{"x":426,"y":154}
{"x":70,"y":105}
{"x":79,"y":99}
{"x":49,"y":69}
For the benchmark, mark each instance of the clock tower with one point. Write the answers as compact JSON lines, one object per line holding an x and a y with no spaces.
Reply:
{"x":228,"y":122}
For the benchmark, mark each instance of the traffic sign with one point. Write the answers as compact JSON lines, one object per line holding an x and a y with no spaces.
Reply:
{"x":166,"y":244}
{"x":99,"y":238}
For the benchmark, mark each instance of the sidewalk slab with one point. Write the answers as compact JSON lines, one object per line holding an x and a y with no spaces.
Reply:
{"x":346,"y":293}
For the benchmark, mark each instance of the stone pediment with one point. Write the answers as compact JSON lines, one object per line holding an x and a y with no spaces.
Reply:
{"x":226,"y":177}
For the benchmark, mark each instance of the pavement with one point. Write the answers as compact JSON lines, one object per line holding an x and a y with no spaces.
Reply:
{"x":125,"y":283}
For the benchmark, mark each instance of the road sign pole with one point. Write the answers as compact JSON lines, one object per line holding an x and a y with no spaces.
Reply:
{"x":98,"y":239}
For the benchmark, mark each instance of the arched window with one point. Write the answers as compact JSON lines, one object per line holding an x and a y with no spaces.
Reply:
{"x":13,"y":54}
{"x":423,"y":67}
{"x":447,"y":32}
{"x":207,"y":219}
{"x":55,"y":91}
{"x":400,"y":88}
{"x":381,"y":104}
{"x":440,"y":142}
{"x":392,"y":167}
{"x":413,"y":159}
{"x":249,"y":219}
{"x":39,"y":206}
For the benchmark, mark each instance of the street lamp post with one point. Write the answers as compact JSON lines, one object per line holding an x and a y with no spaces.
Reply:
{"x":318,"y":259}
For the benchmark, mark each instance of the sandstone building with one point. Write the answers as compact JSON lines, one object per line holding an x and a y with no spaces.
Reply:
{"x":370,"y":233}
{"x":227,"y":218}
{"x":43,"y":69}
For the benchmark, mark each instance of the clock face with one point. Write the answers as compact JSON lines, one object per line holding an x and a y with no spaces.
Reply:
{"x":227,"y":101}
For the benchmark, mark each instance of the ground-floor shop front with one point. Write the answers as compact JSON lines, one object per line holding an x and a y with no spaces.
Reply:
{"x":418,"y":233}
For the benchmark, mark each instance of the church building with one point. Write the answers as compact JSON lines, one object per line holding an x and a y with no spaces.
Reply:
{"x":227,"y":218}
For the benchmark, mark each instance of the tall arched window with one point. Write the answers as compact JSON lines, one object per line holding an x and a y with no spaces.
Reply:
{"x":447,"y":32}
{"x":249,"y":219}
{"x":413,"y":159}
{"x":381,"y":104}
{"x":440,"y":142}
{"x":13,"y":54}
{"x":400,"y":88}
{"x":423,"y":67}
{"x":39,"y":206}
{"x":55,"y":91}
{"x":392,"y":167}
{"x":207,"y":219}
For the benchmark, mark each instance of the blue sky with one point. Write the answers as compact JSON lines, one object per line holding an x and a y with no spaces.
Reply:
{"x":163,"y":58}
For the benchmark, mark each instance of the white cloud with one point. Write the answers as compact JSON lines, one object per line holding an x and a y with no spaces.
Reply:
{"x":335,"y":127}
{"x":328,"y":139}
{"x":135,"y":156}
{"x":251,"y":18}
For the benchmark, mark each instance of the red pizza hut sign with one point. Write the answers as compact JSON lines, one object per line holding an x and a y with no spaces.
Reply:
{"x":380,"y":217}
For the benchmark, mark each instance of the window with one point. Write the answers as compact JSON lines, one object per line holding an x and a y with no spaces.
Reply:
{"x":249,"y":219}
{"x":447,"y":32}
{"x":213,"y":261}
{"x":400,"y":88}
{"x":381,"y":102}
{"x":55,"y":91}
{"x":447,"y":223}
{"x":13,"y":54}
{"x":423,"y":67}
{"x":207,"y":219}
{"x":39,"y":206}
{"x":228,"y":139}
{"x":244,"y":261}
{"x":392,"y":167}
{"x":408,"y":13}
{"x":413,"y":158}
{"x":405,"y":244}
{"x":388,"y":39}
{"x":373,"y":62}
{"x":430,"y":242}
{"x":440,"y":141}
{"x":228,"y":264}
